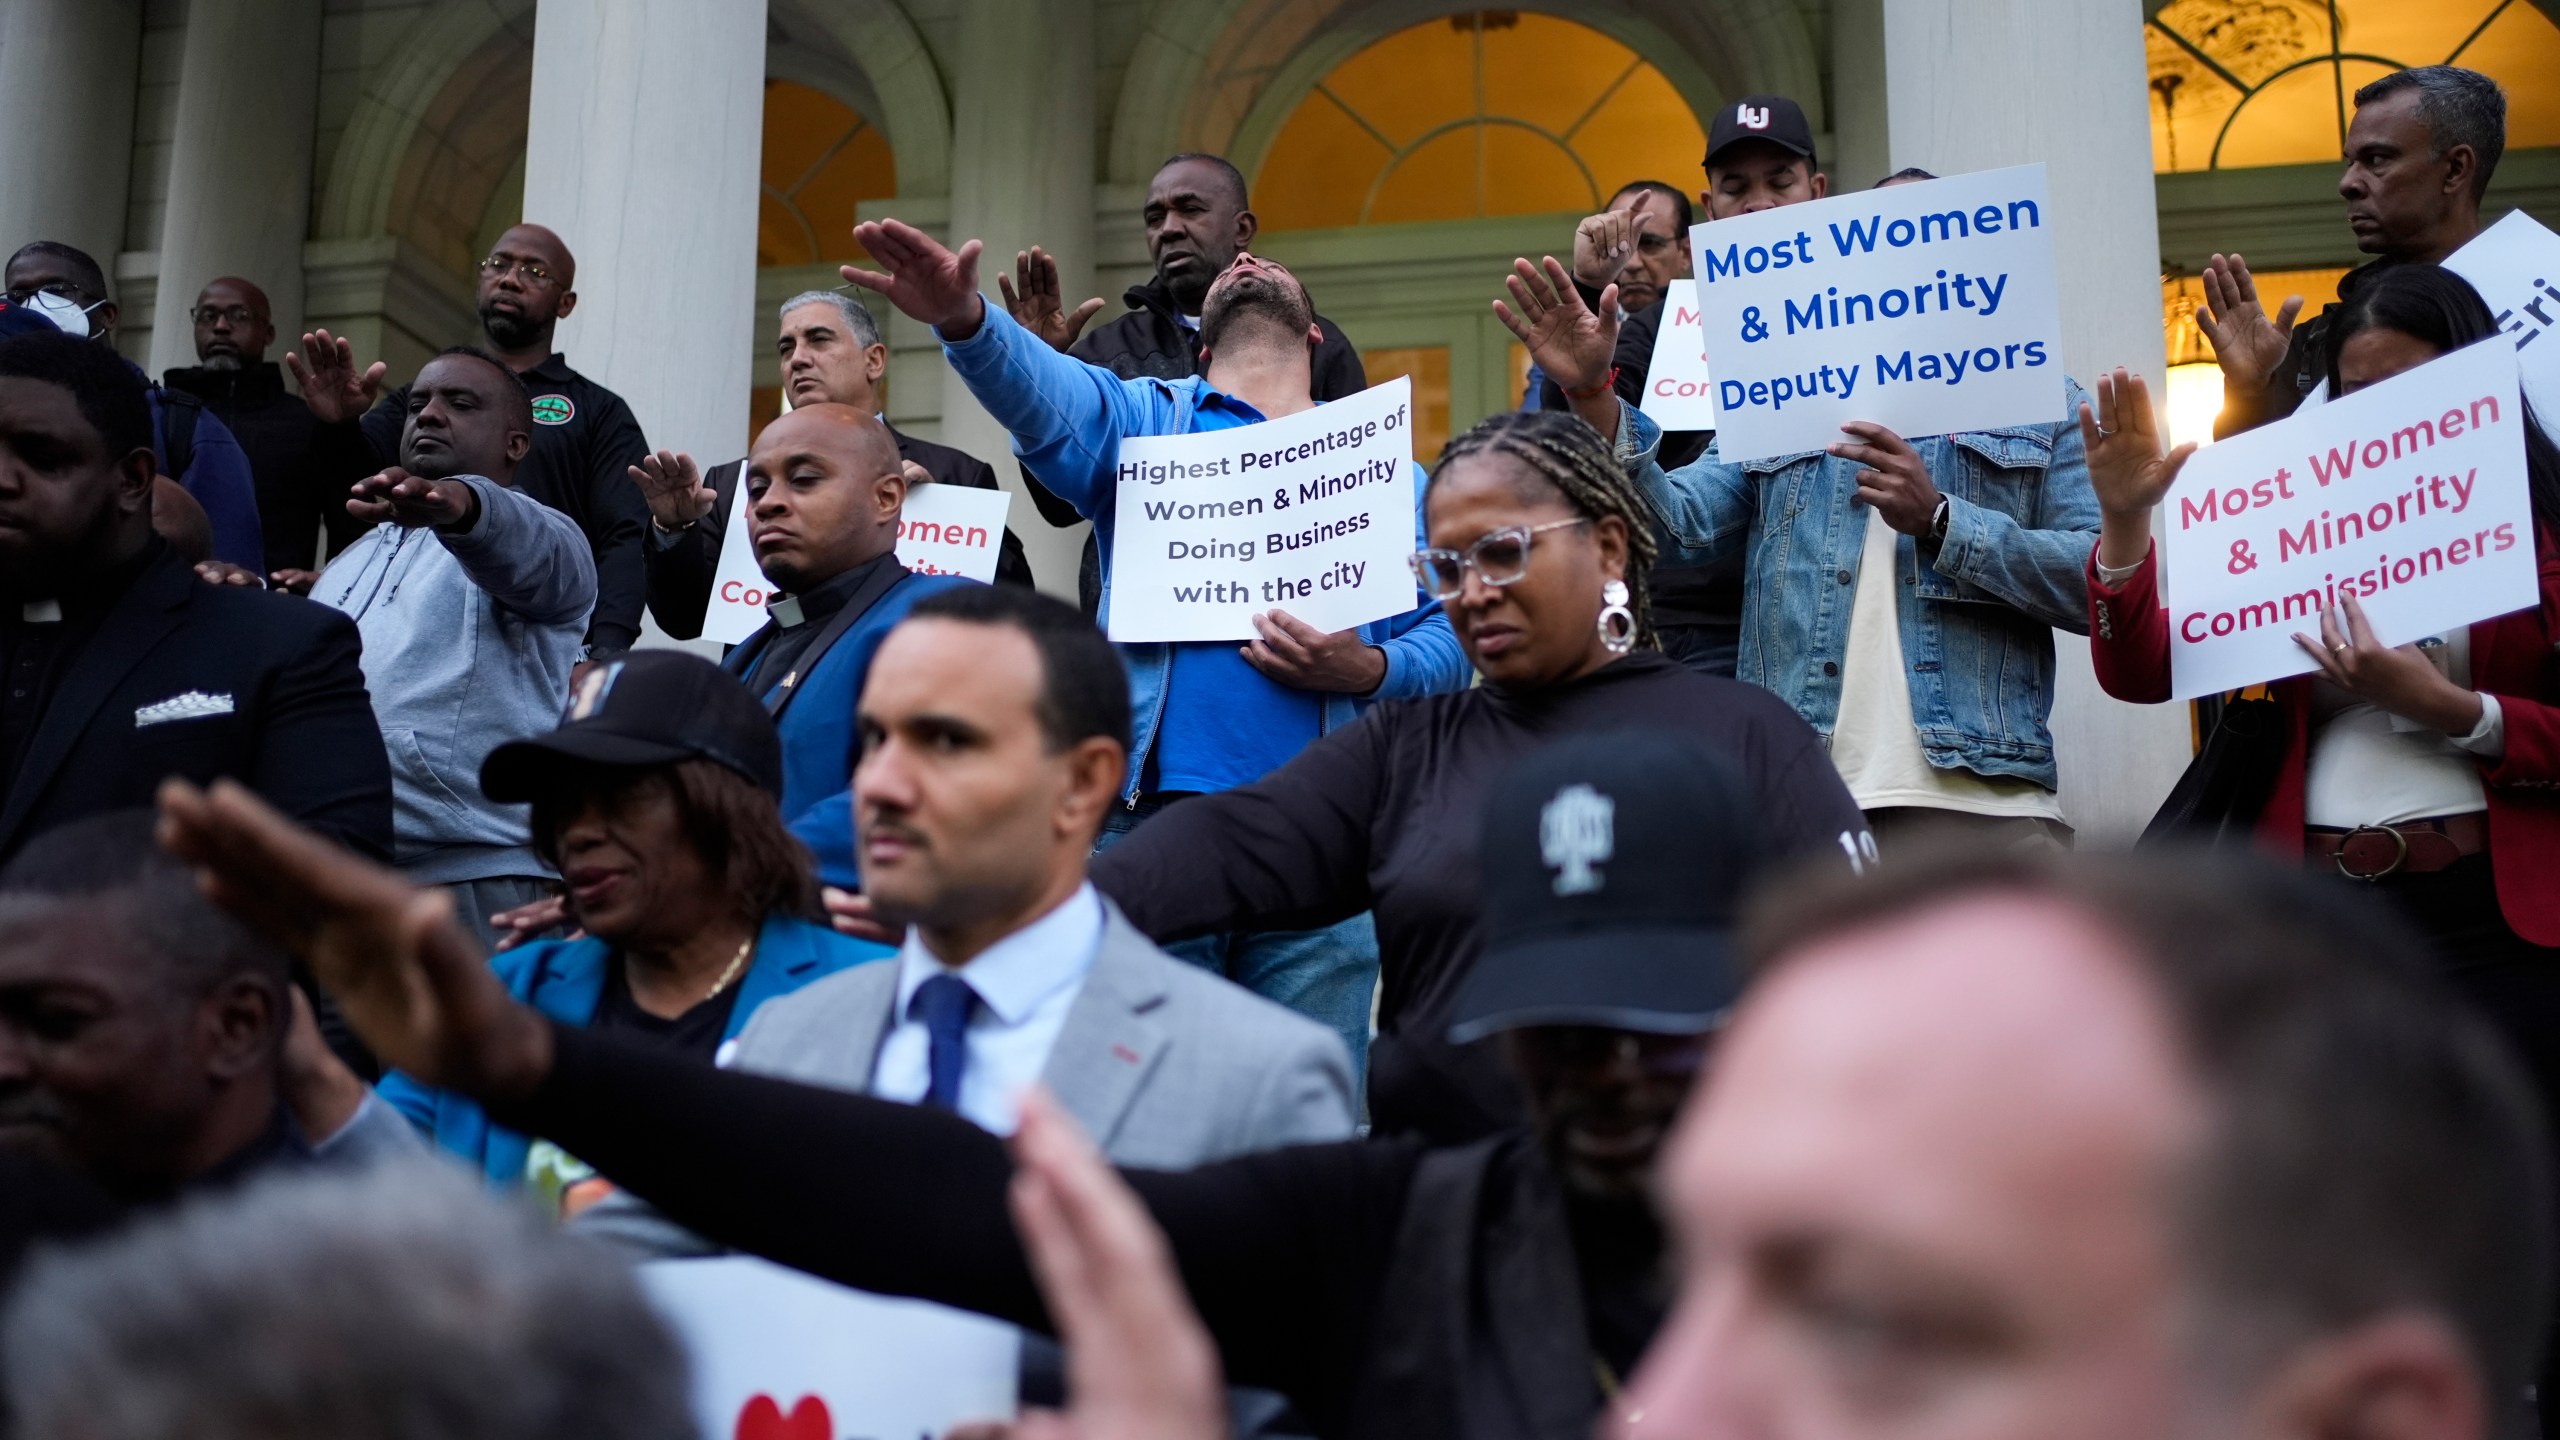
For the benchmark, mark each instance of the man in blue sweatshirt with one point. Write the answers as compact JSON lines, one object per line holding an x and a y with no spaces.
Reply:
{"x":473,"y":602}
{"x":1209,"y":716}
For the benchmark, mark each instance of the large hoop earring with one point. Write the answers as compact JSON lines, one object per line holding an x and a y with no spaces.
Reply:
{"x":1617,"y":622}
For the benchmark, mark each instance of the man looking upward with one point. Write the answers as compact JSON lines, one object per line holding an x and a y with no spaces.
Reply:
{"x":585,"y":440}
{"x":1211,"y":716}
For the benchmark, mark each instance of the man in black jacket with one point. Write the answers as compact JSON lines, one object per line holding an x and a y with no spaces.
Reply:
{"x":2419,"y":155}
{"x":585,"y":440}
{"x":240,"y":385}
{"x":831,"y":354}
{"x":121,"y":667}
{"x":1198,"y":220}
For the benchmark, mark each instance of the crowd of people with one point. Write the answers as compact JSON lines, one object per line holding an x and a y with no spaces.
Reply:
{"x":1646,"y":986}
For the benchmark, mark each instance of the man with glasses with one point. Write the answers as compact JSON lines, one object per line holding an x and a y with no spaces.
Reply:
{"x":194,"y":448}
{"x":585,"y":440}
{"x":299,"y":508}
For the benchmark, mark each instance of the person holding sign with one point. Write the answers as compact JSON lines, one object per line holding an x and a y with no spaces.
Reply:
{"x":2420,"y":152}
{"x":831,"y":354}
{"x":1899,"y":594}
{"x":1210,"y":715}
{"x":655,"y":800}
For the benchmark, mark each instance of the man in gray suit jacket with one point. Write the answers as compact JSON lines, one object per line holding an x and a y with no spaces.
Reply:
{"x":995,"y":727}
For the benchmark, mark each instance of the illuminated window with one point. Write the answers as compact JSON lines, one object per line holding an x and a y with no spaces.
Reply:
{"x":821,"y":161}
{"x":1495,"y":112}
{"x":1429,"y":367}
{"x":2237,"y":83}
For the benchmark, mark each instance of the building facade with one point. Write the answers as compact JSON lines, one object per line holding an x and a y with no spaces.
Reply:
{"x":707,"y":157}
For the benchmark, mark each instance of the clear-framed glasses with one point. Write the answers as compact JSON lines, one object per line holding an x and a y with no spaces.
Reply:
{"x":1501,"y":557}
{"x":534,"y":271}
{"x":237,"y":314}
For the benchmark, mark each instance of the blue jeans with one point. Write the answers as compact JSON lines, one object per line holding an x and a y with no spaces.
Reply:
{"x":1328,"y":975}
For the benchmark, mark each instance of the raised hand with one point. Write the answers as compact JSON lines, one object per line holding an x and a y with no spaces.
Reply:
{"x":1602,"y":246}
{"x":925,"y":280}
{"x":2127,"y":468}
{"x":405,"y":973}
{"x":335,"y":390}
{"x":533,"y":920}
{"x":410,"y":501}
{"x":672,"y":484}
{"x":851,"y":914}
{"x":293,"y":582}
{"x":2246,"y":343}
{"x":1032,"y":296}
{"x":1570,"y":341}
{"x":223,"y":572}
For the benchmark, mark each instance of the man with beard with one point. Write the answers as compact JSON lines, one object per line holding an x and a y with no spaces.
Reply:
{"x":585,"y":440}
{"x":1211,"y":715}
{"x":471,"y":598}
{"x":1198,"y":220}
{"x":245,"y":390}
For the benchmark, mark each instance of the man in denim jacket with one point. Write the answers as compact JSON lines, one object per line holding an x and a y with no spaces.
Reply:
{"x":1934,"y":685}
{"x":1208,"y":716}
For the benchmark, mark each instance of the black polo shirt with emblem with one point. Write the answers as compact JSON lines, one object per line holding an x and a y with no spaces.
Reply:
{"x":585,"y":441}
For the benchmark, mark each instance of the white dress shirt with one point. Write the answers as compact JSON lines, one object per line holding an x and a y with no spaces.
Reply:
{"x":1026,"y":983}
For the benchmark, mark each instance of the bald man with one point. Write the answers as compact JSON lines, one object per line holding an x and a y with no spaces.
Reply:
{"x":824,"y":491}
{"x":302,"y":512}
{"x":585,"y":439}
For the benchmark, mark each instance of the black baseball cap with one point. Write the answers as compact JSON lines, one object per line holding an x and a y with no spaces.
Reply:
{"x":1613,"y":866}
{"x":650,"y":707}
{"x":1773,"y":118}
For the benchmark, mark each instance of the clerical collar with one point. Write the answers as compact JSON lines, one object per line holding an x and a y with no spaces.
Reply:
{"x":825,"y":598}
{"x":41,"y":612}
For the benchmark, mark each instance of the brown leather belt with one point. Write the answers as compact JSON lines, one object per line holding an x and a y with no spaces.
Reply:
{"x":2411,"y":847}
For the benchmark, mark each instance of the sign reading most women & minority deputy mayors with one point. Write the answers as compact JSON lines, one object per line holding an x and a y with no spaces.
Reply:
{"x":1311,"y":514}
{"x":1927,"y":308}
{"x":2409,"y":495}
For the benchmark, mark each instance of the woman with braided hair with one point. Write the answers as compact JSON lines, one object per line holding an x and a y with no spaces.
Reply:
{"x":1539,"y":545}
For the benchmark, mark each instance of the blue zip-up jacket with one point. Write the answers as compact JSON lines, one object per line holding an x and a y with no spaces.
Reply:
{"x":1977,"y":612}
{"x":564,"y":979}
{"x":1068,"y":418}
{"x":219,"y":479}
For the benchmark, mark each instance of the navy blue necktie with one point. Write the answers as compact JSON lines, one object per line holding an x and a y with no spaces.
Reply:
{"x":945,"y":1003}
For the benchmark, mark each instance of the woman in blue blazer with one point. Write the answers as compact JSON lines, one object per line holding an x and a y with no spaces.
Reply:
{"x":657,"y":800}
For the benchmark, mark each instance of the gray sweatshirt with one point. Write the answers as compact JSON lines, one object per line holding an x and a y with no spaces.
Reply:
{"x":468,"y":643}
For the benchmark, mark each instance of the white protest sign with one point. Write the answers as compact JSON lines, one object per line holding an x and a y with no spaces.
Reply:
{"x":2515,"y":265}
{"x":2409,"y":495}
{"x":1312,"y":514}
{"x":1926,"y":308}
{"x":942,"y":530}
{"x":1678,"y":392}
{"x":778,"y":1355}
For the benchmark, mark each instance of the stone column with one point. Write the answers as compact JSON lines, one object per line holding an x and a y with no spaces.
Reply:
{"x":646,"y":139}
{"x":1978,"y":84}
{"x":1022,"y":173}
{"x":239,"y":166}
{"x":67,"y":73}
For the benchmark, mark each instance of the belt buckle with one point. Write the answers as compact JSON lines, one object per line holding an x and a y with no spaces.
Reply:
{"x":2398,"y":836}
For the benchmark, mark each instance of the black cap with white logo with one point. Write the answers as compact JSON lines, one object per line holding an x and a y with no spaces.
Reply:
{"x":650,"y":707}
{"x":1773,"y":118}
{"x":1613,"y":866}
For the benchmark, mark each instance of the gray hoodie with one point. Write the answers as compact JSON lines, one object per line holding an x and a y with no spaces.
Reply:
{"x":469,"y":639}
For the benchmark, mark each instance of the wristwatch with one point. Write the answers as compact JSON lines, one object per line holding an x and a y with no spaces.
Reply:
{"x":1938,"y":521}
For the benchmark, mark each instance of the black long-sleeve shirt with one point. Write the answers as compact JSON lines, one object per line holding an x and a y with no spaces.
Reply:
{"x":1384,"y":816}
{"x":585,"y":441}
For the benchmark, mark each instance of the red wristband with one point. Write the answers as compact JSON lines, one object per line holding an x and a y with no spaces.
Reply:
{"x":1606,"y":383}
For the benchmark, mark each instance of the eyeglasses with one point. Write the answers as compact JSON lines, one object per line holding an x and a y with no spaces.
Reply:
{"x":534,"y":271}
{"x":59,"y":289}
{"x":1501,"y":557}
{"x":237,"y":314}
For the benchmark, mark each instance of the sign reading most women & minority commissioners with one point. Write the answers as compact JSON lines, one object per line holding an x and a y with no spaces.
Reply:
{"x":1927,"y":308}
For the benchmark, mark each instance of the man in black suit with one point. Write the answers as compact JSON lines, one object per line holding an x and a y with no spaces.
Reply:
{"x":831,"y":354}
{"x":118,"y":667}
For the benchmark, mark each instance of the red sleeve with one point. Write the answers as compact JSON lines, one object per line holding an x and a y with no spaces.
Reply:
{"x":2529,"y":695}
{"x":2129,"y":632}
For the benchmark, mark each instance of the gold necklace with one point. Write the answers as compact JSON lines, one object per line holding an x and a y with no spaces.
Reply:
{"x":737,"y":963}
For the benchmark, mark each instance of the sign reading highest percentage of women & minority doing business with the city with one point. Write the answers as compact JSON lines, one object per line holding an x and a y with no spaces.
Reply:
{"x":1927,"y":308}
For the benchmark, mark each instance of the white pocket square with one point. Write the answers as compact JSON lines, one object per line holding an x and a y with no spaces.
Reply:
{"x":193,"y":705}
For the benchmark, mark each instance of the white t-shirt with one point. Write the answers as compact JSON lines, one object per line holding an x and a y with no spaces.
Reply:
{"x":2371,"y":767}
{"x":1874,"y":743}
